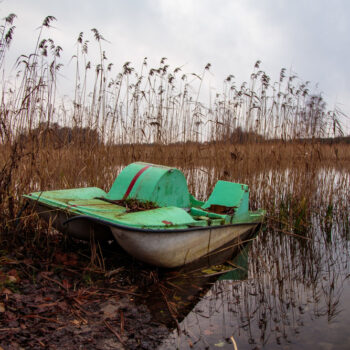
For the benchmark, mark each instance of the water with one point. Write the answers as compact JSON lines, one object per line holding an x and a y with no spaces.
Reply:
{"x":295,"y":302}
{"x":289,"y":292}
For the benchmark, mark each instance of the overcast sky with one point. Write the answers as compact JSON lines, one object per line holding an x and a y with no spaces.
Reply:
{"x":309,"y":38}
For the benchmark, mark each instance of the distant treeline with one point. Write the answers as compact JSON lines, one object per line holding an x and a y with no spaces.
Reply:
{"x":329,"y":140}
{"x":56,"y":136}
{"x":240,"y":136}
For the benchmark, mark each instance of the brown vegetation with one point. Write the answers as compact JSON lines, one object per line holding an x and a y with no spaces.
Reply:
{"x":152,"y":116}
{"x":272,"y":136}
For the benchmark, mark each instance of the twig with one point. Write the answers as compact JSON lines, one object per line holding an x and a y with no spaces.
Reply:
{"x":234,"y":342}
{"x":291,"y":234}
{"x":288,"y":233}
{"x":41,"y":343}
{"x":10,"y":329}
{"x":80,"y":308}
{"x":113,"y":272}
{"x":54,"y":281}
{"x":121,"y":322}
{"x":171,"y":311}
{"x":65,"y":268}
{"x":113,"y":331}
{"x":216,"y":273}
{"x":117,"y":290}
{"x":43,"y":318}
{"x":175,"y":286}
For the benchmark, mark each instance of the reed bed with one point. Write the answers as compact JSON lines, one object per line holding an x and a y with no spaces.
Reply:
{"x":276,"y":136}
{"x":153,"y":114}
{"x":295,"y":287}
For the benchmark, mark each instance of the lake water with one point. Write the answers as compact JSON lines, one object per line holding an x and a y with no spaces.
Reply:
{"x":285,"y":291}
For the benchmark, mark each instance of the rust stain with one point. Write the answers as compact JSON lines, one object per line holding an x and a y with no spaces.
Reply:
{"x":167,"y":222}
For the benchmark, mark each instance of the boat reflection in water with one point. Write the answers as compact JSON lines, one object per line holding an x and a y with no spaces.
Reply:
{"x":283,"y":292}
{"x":295,"y":291}
{"x":173,"y":300}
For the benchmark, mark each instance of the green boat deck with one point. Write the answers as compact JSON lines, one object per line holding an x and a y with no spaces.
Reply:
{"x":165,"y":189}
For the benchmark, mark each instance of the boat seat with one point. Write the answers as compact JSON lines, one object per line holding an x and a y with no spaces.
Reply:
{"x":229,"y":194}
{"x":96,"y":206}
{"x":155,"y":218}
{"x":65,"y":199}
{"x":164,"y":186}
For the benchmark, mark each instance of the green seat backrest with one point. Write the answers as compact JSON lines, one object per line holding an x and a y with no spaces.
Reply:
{"x":229,"y":194}
{"x":159,"y":184}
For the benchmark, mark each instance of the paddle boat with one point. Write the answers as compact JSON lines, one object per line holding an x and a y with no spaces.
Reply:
{"x":152,"y":215}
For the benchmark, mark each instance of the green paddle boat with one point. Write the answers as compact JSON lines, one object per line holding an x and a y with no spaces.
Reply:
{"x":152,"y":215}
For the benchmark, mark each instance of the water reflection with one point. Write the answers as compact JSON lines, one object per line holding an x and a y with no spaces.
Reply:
{"x":295,"y":291}
{"x":178,"y":291}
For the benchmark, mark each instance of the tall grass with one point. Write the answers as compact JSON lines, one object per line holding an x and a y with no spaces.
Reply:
{"x":263,"y":133}
{"x":154,"y":114}
{"x":154,"y":104}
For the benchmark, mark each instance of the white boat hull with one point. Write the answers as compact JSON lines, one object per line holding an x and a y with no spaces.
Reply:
{"x":176,"y":249}
{"x":166,"y":248}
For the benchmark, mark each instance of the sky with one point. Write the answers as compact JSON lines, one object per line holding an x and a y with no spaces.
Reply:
{"x":309,"y":38}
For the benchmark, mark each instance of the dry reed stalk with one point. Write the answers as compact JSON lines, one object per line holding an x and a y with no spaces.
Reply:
{"x":154,"y":115}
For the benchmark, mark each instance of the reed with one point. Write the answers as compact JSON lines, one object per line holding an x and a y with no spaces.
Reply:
{"x":277,"y":137}
{"x":246,"y":133}
{"x":297,"y":271}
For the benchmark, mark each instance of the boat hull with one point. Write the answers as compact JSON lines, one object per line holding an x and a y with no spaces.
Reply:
{"x":85,"y":230}
{"x":176,"y":249}
{"x":163,"y":248}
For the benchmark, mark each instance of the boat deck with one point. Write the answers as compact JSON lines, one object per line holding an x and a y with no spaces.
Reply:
{"x":93,"y":202}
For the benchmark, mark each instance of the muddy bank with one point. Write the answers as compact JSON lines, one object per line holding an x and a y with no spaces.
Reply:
{"x":60,"y":299}
{"x":61,"y":293}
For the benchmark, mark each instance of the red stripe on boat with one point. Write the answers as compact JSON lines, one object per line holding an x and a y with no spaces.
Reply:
{"x":132,"y":183}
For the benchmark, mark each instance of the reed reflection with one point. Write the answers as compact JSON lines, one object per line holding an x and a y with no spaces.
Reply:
{"x":295,"y":290}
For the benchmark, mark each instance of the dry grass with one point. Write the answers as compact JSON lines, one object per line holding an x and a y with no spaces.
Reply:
{"x":266,"y":134}
{"x":247,"y":134}
{"x":71,"y":167}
